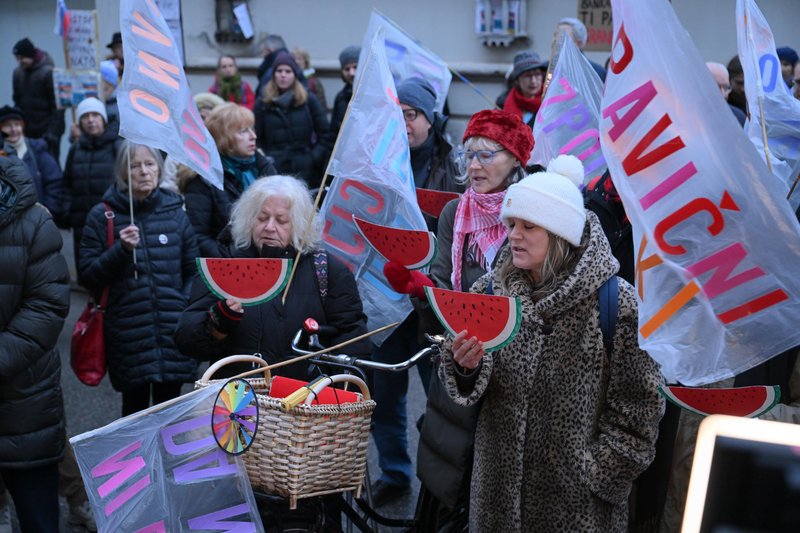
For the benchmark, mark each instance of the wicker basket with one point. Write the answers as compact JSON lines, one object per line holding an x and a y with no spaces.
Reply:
{"x":310,"y":450}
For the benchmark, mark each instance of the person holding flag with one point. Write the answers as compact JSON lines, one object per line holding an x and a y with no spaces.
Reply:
{"x":145,"y":297}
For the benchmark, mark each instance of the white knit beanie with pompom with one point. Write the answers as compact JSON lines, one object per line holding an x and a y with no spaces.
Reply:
{"x":550,"y":199}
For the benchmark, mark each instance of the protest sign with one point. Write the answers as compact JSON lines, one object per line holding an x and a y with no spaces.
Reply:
{"x":81,"y":40}
{"x":596,"y":15}
{"x":769,"y":99}
{"x":407,"y":58}
{"x":716,"y":242}
{"x":567,"y":121}
{"x":161,"y":470}
{"x":156,"y":107}
{"x":72,"y":86}
{"x":373,"y":180}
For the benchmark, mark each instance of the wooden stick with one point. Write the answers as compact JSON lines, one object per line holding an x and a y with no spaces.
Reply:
{"x":130,"y":204}
{"x":314,"y":354}
{"x":321,"y":188}
{"x":794,"y":185}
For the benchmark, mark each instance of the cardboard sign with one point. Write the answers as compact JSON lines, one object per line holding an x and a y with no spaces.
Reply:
{"x":72,"y":86}
{"x":596,"y":15}
{"x":82,"y":40}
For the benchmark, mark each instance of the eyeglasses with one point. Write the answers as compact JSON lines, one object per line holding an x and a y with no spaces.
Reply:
{"x":485,"y":157}
{"x":410,"y":115}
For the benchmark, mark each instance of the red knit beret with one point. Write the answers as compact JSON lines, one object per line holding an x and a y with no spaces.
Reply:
{"x":504,"y":128}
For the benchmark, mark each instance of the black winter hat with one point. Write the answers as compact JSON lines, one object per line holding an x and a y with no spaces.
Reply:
{"x":25,"y":48}
{"x":525,"y":61}
{"x":285,"y":58}
{"x":115,"y":39}
{"x":349,"y":55}
{"x":7,"y":113}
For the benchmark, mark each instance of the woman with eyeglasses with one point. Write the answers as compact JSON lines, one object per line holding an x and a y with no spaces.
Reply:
{"x":496,"y":146}
{"x":209,"y":208}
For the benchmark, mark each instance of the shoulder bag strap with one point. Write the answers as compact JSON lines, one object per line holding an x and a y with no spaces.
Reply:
{"x":321,"y":271}
{"x":109,"y":214}
{"x":609,"y":293}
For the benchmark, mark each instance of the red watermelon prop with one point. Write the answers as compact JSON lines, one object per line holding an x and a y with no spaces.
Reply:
{"x":431,"y":202}
{"x":250,"y":281}
{"x":413,"y":249}
{"x":747,"y":402}
{"x":494,"y":320}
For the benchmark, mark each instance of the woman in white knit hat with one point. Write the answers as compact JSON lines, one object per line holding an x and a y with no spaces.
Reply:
{"x":566,"y":424}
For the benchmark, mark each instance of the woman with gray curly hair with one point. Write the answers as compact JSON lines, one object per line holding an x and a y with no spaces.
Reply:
{"x":275,"y":218}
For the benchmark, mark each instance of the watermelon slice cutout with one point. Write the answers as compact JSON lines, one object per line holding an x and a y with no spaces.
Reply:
{"x":748,"y":402}
{"x":494,"y":320}
{"x":250,"y":281}
{"x":432,"y":202}
{"x":414,"y":249}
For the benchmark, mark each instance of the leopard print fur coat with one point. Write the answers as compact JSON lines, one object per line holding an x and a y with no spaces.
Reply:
{"x":564,"y":429}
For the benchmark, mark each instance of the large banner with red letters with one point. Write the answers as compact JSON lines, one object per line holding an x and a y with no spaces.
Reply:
{"x":373,"y":180}
{"x":717,"y":244}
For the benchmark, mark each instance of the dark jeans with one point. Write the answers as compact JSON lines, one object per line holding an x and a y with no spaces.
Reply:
{"x":391,"y":425}
{"x":35,"y":495}
{"x":138,"y":399}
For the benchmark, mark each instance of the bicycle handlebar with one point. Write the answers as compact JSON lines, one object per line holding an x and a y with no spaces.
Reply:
{"x":350,"y":360}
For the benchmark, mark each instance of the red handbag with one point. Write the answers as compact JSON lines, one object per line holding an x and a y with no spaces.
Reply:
{"x":88,"y":351}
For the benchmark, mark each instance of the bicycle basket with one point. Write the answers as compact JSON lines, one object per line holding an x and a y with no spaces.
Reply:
{"x":309,"y":450}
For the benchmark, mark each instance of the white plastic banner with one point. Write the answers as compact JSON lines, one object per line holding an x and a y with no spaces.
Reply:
{"x":407,"y":57}
{"x":716,"y":242}
{"x":567,"y":121}
{"x":372,"y":180}
{"x":766,"y":90}
{"x":155,"y":102}
{"x":161,"y":470}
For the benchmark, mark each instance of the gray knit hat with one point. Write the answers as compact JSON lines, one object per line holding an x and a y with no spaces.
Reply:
{"x":349,"y":55}
{"x":525,"y":61}
{"x":419,"y":94}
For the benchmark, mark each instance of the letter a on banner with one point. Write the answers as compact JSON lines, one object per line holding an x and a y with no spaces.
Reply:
{"x":716,"y":296}
{"x":156,"y":107}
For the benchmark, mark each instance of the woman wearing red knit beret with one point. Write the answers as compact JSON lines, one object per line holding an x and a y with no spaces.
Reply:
{"x":496,"y":146}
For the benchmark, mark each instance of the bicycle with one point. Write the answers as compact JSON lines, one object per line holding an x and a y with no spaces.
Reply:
{"x":322,"y":513}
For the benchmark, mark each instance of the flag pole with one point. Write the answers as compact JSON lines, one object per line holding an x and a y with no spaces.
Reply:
{"x":318,"y":198}
{"x":130,"y":204}
{"x":759,"y":90}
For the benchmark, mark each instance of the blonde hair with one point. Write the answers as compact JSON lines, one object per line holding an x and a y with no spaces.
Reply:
{"x":225,"y":121}
{"x":299,"y":51}
{"x":271,"y":92}
{"x":306,"y":226}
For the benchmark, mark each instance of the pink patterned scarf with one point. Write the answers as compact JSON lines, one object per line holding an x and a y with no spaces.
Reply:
{"x":477,"y":215}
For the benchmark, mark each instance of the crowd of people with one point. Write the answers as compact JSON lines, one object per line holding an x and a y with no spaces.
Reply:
{"x":561,"y":430}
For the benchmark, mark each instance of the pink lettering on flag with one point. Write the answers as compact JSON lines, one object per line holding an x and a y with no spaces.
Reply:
{"x":723,"y":263}
{"x":121,"y":471}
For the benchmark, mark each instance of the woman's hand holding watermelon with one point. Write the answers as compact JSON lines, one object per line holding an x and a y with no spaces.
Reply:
{"x":467,"y":351}
{"x":405,"y":281}
{"x":225,"y":317}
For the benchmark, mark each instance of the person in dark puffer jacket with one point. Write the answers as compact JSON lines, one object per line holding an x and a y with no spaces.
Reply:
{"x":43,"y":168}
{"x":291,"y":125}
{"x":348,"y":59}
{"x":89,"y":169}
{"x":34,"y":301}
{"x":146,"y":296}
{"x":273,"y":219}
{"x":209,"y":208}
{"x":34,"y":95}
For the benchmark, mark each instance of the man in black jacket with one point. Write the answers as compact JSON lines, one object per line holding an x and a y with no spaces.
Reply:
{"x":34,"y":95}
{"x":34,"y":301}
{"x":348,"y":59}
